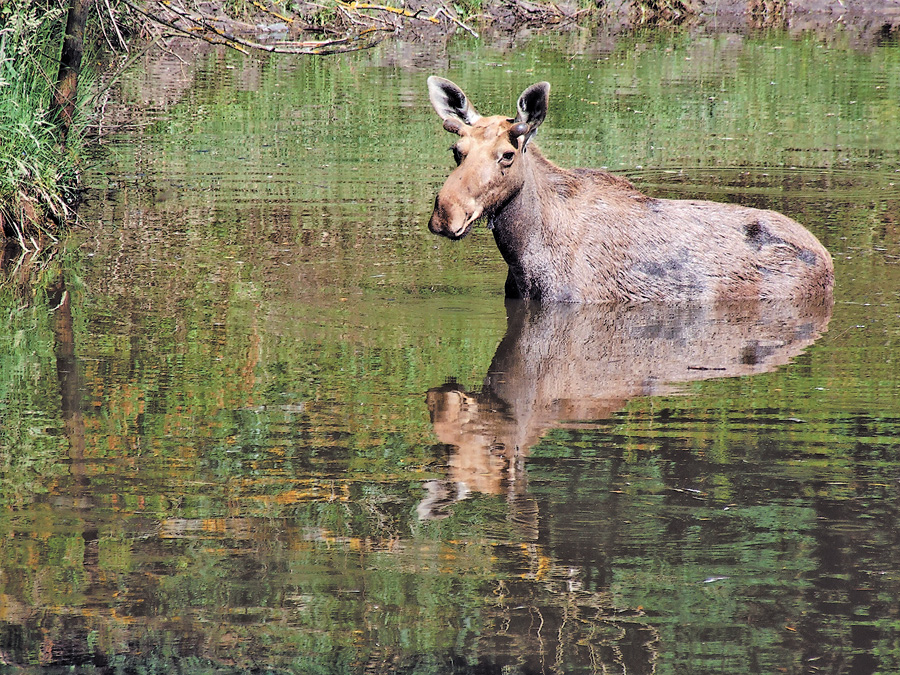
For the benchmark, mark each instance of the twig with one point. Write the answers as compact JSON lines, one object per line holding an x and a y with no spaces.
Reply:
{"x":179,"y":29}
{"x":367,"y":24}
{"x":115,"y":24}
{"x":354,"y":5}
{"x":204,"y":25}
{"x":105,"y":36}
{"x":201,"y":27}
{"x":351,"y":16}
{"x":318,"y":47}
{"x":444,"y":12}
{"x":352,"y":19}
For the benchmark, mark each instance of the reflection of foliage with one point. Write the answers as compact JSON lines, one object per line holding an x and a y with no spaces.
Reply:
{"x":255,"y":349}
{"x":32,"y":444}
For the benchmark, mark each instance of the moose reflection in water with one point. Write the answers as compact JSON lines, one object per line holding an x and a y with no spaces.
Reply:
{"x":589,"y":236}
{"x":560,"y":363}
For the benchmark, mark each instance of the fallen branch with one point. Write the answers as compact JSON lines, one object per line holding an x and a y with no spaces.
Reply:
{"x":356,"y":6}
{"x":365,"y":25}
{"x":173,"y":26}
{"x":443,"y":11}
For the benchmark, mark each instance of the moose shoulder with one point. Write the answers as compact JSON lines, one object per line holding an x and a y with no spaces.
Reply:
{"x":589,"y":236}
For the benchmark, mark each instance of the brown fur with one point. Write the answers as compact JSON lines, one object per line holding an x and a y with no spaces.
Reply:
{"x":589,"y":236}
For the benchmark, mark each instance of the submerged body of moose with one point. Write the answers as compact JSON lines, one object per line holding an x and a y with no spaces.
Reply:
{"x":589,"y":236}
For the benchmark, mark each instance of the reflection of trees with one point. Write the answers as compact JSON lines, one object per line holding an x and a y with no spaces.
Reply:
{"x":193,"y":522}
{"x":555,"y":626}
{"x":32,"y":442}
{"x":254,"y":447}
{"x":543,"y":622}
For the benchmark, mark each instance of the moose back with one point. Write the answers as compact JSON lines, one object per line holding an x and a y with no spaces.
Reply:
{"x":589,"y":236}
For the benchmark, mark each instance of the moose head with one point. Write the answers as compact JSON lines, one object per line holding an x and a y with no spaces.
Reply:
{"x":487,"y":154}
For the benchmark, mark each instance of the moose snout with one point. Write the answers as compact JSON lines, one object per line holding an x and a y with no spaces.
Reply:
{"x":451,"y":218}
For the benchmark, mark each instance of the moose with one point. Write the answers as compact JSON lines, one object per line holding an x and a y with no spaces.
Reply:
{"x":589,"y":236}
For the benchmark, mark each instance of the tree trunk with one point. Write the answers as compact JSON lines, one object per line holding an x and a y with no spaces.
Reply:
{"x":70,"y":65}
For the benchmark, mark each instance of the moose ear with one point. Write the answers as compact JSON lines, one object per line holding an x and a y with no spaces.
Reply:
{"x":450,"y":101}
{"x":532,"y":108}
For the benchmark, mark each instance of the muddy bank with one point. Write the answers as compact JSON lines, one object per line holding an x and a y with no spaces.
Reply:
{"x":863,"y":22}
{"x":866,"y":20}
{"x":876,"y":18}
{"x":317,"y":29}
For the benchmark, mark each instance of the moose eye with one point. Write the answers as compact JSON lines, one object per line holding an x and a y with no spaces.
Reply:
{"x":507,"y":158}
{"x":457,"y":155}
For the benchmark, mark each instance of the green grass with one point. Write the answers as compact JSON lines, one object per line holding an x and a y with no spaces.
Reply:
{"x":38,"y":177}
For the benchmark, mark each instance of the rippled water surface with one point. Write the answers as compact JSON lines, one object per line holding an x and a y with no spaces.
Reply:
{"x":257,"y":418}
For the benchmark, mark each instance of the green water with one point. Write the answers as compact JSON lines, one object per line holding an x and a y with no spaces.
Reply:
{"x":252,"y":419}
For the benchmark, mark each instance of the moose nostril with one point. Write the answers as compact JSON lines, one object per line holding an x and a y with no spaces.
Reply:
{"x":463,"y":227}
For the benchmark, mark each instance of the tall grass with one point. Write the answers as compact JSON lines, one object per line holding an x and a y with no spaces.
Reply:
{"x":38,"y":176}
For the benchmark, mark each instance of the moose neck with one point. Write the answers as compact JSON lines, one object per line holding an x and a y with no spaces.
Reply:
{"x":520,"y":225}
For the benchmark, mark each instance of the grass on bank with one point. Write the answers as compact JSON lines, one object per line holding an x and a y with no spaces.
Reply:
{"x":38,"y":176}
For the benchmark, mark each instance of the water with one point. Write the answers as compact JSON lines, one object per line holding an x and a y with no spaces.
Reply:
{"x":256,"y":418}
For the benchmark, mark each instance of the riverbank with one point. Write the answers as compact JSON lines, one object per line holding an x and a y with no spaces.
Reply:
{"x":38,"y":172}
{"x":39,"y":178}
{"x":316,"y":29}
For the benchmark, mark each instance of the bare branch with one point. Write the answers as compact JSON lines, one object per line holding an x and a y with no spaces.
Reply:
{"x":369,"y":30}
